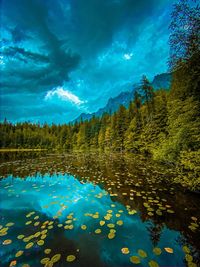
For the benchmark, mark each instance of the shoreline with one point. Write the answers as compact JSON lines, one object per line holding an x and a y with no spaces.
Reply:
{"x":21,"y":149}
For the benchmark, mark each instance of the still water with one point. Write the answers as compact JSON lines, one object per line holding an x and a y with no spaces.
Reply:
{"x":94,"y":210}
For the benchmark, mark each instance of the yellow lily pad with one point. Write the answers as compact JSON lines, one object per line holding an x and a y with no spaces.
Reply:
{"x":188,"y":258}
{"x":3,"y":233}
{"x":102,"y":223}
{"x":3,"y":230}
{"x":70,"y":258}
{"x":125,"y":251}
{"x":26,"y":239}
{"x":47,"y":251}
{"x":169,"y":250}
{"x":186,"y":249}
{"x":40,"y":242}
{"x":7,"y":242}
{"x":56,"y":258}
{"x":97,"y":231}
{"x":153,"y":264}
{"x":44,"y":260}
{"x":13,"y":263}
{"x":83,"y":227}
{"x":120,"y":222}
{"x":9,"y":224}
{"x":29,"y":245}
{"x":19,"y":253}
{"x":111,"y":235}
{"x":111,"y":225}
{"x":43,"y":236}
{"x":157,"y":251}
{"x":135,"y":259}
{"x":37,"y":234}
{"x":142,"y":253}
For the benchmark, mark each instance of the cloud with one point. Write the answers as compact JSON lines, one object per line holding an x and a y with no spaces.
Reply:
{"x":33,"y":52}
{"x":84,"y":49}
{"x":64,"y":95}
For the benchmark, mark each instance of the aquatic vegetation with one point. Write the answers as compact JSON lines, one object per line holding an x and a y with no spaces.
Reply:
{"x":157,"y":251}
{"x":153,"y":264}
{"x":83,"y":205}
{"x":125,"y":251}
{"x":142,"y":253}
{"x":70,"y":258}
{"x":135,"y":259}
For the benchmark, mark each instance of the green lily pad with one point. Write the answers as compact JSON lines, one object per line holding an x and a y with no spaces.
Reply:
{"x":157,"y":251}
{"x":188,"y":258}
{"x":29,"y":245}
{"x":44,"y":260}
{"x":142,"y":253}
{"x":135,"y":259}
{"x":56,"y":258}
{"x":19,"y":253}
{"x":47,"y":251}
{"x":186,"y":249}
{"x":70,"y":258}
{"x":153,"y":264}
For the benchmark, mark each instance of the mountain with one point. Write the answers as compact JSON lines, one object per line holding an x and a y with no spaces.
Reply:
{"x":160,"y":81}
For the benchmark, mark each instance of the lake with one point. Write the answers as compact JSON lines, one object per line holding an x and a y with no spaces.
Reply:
{"x":92,"y":209}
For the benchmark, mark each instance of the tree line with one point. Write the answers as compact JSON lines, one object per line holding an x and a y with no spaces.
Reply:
{"x":162,"y":124}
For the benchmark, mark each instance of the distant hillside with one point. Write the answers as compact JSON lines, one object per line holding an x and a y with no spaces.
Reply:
{"x":124,"y":98}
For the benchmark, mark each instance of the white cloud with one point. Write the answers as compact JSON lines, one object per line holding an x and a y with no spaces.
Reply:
{"x":64,"y":95}
{"x":128,"y":56}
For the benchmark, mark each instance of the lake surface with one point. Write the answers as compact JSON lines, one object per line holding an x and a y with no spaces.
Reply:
{"x":94,"y":210}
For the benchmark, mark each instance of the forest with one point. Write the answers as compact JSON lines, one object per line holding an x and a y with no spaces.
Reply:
{"x":161,"y":124}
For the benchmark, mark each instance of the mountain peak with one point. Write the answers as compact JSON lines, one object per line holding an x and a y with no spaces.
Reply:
{"x":162,"y":80}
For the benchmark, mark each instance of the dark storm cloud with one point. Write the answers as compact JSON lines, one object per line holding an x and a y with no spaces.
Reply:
{"x":32,"y":16}
{"x":80,"y":45}
{"x":95,"y":22}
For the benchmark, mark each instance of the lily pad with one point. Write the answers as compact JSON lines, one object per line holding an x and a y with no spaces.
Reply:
{"x":44,"y":260}
{"x":142,"y":253}
{"x":135,"y":259}
{"x":70,"y":258}
{"x":47,"y":251}
{"x":186,"y":249}
{"x":19,"y":253}
{"x":111,"y":235}
{"x":102,"y":223}
{"x":20,"y":236}
{"x":56,"y":258}
{"x":188,"y":258}
{"x":153,"y":264}
{"x":169,"y":250}
{"x":111,"y":225}
{"x":29,"y":245}
{"x":9,"y":224}
{"x":40,"y":242}
{"x":157,"y":251}
{"x":7,"y":242}
{"x":125,"y":251}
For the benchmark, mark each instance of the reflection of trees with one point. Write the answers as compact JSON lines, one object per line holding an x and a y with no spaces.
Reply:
{"x":155,"y":231}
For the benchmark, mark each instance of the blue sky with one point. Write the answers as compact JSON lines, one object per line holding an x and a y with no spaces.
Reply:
{"x":61,"y":58}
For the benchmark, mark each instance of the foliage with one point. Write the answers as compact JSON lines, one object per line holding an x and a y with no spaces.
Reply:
{"x":165,"y":125}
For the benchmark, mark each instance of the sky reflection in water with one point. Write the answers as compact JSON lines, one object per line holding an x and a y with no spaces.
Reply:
{"x":55,"y":197}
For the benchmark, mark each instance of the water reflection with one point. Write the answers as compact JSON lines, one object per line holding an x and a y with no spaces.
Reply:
{"x":78,"y":216}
